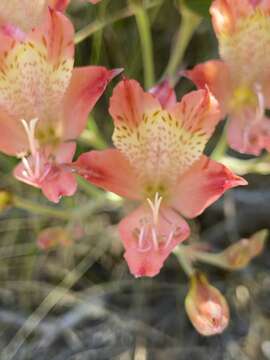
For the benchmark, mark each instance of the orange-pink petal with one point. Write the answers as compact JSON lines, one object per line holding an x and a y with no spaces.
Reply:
{"x":226,"y":14}
{"x":198,"y":112}
{"x":54,"y":177}
{"x":202,"y":185}
{"x":59,"y":183}
{"x":110,"y":170}
{"x":144,"y":257}
{"x":215,"y":75}
{"x":34,"y":75}
{"x":86,"y":87}
{"x":129,"y":103}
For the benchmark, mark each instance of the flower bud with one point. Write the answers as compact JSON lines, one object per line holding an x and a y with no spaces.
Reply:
{"x":238,"y":255}
{"x":52,"y":237}
{"x":5,"y":200}
{"x":206,"y":307}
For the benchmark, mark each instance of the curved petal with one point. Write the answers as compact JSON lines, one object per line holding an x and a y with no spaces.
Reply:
{"x":110,"y":170}
{"x":202,"y":185}
{"x":215,"y":75}
{"x":144,"y":254}
{"x":86,"y":87}
{"x":57,"y":184}
{"x":165,"y":94}
{"x":129,"y":104}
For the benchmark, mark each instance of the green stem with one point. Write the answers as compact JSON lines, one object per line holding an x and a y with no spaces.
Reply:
{"x":208,"y":258}
{"x":100,"y":24}
{"x":88,"y":188}
{"x":35,"y":208}
{"x":144,"y":29}
{"x":189,"y":23}
{"x":184,"y":260}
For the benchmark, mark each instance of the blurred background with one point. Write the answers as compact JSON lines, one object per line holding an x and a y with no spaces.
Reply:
{"x":65,"y":290}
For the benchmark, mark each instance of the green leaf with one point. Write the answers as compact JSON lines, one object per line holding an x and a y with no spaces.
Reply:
{"x":201,"y":7}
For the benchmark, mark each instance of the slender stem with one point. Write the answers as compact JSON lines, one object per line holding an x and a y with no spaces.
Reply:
{"x":88,"y":188}
{"x":100,"y":24}
{"x":184,"y":260}
{"x":39,"y":209}
{"x":189,"y":23}
{"x":144,"y":29}
{"x":212,"y":259}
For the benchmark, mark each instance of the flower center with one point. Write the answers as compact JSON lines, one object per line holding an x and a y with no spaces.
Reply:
{"x":149,"y":235}
{"x":243,"y":96}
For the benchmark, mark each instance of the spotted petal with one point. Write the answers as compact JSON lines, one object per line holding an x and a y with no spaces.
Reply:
{"x":243,"y":28}
{"x":161,"y":144}
{"x":34,"y":75}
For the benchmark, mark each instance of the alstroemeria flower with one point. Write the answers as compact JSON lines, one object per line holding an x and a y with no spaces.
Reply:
{"x":159,"y":162}
{"x":241,"y":81}
{"x":44,"y":103}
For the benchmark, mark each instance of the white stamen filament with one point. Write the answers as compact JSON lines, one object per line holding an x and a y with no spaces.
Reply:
{"x":27,"y":167}
{"x":149,"y":236}
{"x":32,"y":172}
{"x":261,"y":102}
{"x":155,"y":207}
{"x":30,"y":132}
{"x":170,"y":237}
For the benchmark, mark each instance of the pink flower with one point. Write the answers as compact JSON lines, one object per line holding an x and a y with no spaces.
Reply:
{"x":240,"y":81}
{"x":44,"y":103}
{"x":158,"y":162}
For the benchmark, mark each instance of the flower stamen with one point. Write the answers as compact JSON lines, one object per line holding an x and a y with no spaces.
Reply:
{"x":33,"y":167}
{"x":149,"y":235}
{"x":261,"y":102}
